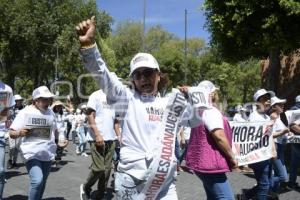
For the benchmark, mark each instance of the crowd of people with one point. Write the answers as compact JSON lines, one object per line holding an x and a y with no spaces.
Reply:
{"x":155,"y":134}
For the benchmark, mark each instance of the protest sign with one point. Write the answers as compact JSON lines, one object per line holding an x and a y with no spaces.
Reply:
{"x":39,"y":126}
{"x":251,"y":142}
{"x":199,"y":97}
{"x":293,"y":116}
{"x":293,"y":139}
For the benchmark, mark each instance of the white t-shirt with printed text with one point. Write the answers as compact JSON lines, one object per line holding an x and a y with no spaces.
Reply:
{"x":141,"y":118}
{"x":40,"y":143}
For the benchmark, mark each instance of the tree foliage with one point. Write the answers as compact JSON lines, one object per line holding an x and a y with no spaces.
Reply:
{"x":36,"y":36}
{"x":242,"y":29}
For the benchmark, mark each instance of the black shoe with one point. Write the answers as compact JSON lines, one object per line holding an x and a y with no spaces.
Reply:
{"x":293,"y":186}
{"x":284,"y":187}
{"x":272,"y":196}
{"x":10,"y":164}
{"x":240,"y":197}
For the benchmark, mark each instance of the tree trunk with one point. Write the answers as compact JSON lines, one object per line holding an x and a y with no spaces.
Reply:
{"x":271,"y":77}
{"x":245,"y":90}
{"x":10,"y":78}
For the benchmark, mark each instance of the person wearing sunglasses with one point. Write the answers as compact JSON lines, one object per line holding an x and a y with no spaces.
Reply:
{"x":140,"y":109}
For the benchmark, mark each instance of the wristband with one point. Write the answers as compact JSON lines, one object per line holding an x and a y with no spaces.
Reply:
{"x":89,"y":46}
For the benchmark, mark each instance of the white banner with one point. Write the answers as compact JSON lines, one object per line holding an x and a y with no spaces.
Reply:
{"x":160,"y":168}
{"x":251,"y":141}
{"x":199,"y":97}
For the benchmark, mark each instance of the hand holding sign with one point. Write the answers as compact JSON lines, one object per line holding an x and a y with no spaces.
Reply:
{"x":24,"y":132}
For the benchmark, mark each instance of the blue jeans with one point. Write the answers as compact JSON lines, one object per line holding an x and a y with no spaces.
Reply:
{"x":81,"y":138}
{"x":280,"y":173}
{"x":183,"y":152}
{"x":294,"y":164}
{"x":2,"y":166}
{"x":263,"y":176}
{"x":216,"y":186}
{"x":177,"y":149}
{"x":38,"y":173}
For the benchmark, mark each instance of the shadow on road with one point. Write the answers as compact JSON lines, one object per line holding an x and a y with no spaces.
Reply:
{"x":10,"y":174}
{"x":22,"y":197}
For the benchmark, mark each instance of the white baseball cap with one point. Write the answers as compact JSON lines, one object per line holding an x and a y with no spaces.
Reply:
{"x":143,"y":60}
{"x":275,"y":100}
{"x":208,"y":85}
{"x":262,"y":92}
{"x":42,"y":91}
{"x":18,"y":97}
{"x":297,"y":99}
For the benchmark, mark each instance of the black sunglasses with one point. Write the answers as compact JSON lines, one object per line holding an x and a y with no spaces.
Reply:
{"x":146,"y":73}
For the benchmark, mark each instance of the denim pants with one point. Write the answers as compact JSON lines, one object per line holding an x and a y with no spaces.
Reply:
{"x":216,"y":186}
{"x":280,"y":173}
{"x":81,"y":138}
{"x":38,"y":173}
{"x":183,"y":153}
{"x":2,"y":165}
{"x":295,"y":161}
{"x":177,"y":149}
{"x":263,"y":176}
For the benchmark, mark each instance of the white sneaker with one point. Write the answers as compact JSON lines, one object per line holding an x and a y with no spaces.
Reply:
{"x":83,"y":195}
{"x":84,"y":154}
{"x":77,"y":151}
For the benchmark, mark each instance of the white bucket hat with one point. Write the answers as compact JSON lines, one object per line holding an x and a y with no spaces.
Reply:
{"x":275,"y":100}
{"x":143,"y":60}
{"x":42,"y":91}
{"x":262,"y":92}
{"x":208,"y":86}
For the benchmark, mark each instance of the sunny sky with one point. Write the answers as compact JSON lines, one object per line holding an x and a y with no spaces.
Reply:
{"x":167,"y":13}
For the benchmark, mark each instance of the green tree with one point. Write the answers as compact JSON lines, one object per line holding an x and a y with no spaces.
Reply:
{"x":237,"y":81}
{"x":168,"y":50}
{"x":243,"y":29}
{"x":126,"y":42}
{"x":32,"y":32}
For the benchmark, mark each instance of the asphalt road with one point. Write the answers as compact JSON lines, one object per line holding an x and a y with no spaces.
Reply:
{"x":63,"y":183}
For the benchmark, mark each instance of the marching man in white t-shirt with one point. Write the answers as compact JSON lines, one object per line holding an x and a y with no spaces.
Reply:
{"x":102,"y":134}
{"x":6,"y":102}
{"x":36,"y":126}
{"x":141,"y":109}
